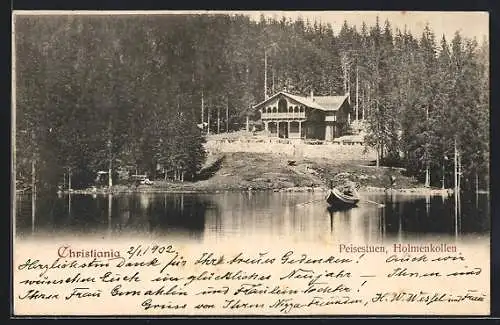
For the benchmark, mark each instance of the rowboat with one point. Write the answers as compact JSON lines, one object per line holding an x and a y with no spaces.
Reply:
{"x":339,"y":200}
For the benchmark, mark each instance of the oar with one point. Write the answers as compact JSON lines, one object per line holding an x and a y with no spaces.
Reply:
{"x":380,"y":205}
{"x":301,"y":204}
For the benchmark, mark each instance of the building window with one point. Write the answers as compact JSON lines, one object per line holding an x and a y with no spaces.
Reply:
{"x":296,"y":109}
{"x":274,"y":109}
{"x":290,"y":109}
{"x":272,"y":127}
{"x":294,"y":127}
{"x":282,"y":105}
{"x":301,"y":109}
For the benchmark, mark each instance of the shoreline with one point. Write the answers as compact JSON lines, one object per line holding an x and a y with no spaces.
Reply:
{"x":255,"y":172}
{"x":367,"y":190}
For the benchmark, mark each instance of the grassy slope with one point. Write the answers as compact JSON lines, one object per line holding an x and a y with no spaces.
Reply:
{"x":259,"y":171}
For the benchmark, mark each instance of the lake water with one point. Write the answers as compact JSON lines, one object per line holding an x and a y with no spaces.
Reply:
{"x":249,"y":214}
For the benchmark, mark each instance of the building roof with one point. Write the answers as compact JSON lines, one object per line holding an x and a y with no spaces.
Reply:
{"x":304,"y":100}
{"x":330,"y":103}
{"x":324,"y":103}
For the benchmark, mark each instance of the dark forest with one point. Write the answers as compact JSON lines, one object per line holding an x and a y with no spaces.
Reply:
{"x":109,"y":92}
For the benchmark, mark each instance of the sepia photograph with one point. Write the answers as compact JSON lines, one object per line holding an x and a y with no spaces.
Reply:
{"x":198,"y":133}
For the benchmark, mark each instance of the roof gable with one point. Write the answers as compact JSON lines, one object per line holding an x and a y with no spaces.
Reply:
{"x":324,"y":103}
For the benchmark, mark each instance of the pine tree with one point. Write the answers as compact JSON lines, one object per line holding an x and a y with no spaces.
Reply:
{"x":427,"y":102}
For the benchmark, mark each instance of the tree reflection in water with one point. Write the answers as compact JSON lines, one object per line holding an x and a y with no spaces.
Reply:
{"x":251,"y":214}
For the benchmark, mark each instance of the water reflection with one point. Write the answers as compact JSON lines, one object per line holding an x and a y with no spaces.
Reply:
{"x":250,"y":214}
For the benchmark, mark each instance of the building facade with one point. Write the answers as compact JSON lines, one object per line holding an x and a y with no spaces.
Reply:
{"x":290,"y":116}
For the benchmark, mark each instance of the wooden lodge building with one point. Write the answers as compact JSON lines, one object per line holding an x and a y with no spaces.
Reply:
{"x":315,"y":117}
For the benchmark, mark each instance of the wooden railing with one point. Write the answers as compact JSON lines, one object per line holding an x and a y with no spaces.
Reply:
{"x":298,"y":115}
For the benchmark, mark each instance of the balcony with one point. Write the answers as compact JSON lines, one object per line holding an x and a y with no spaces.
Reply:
{"x":283,"y":116}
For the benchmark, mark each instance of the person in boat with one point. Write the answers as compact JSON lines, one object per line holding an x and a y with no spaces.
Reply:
{"x":349,"y":188}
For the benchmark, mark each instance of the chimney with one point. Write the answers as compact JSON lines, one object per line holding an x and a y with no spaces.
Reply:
{"x":312,"y":95}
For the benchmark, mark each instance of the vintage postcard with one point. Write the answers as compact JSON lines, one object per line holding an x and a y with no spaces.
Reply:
{"x":195,"y":163}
